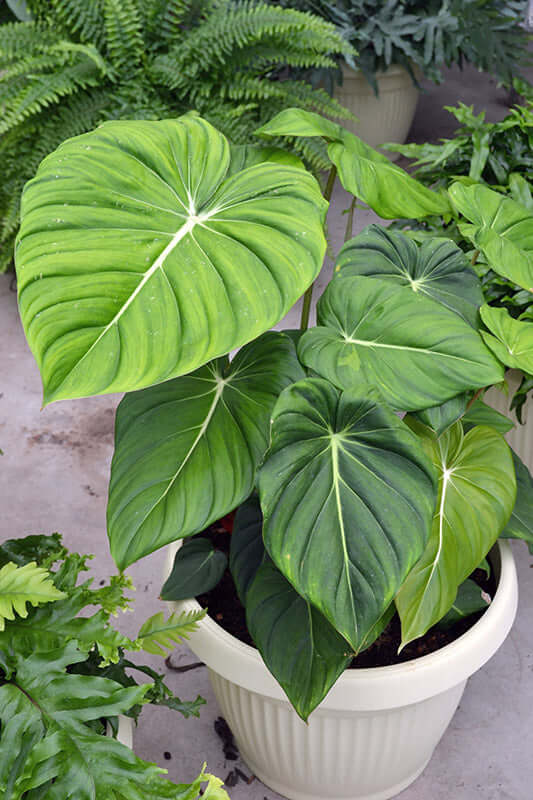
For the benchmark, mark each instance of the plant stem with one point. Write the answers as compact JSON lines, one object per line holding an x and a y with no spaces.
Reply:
{"x":306,"y":307}
{"x":475,"y":257}
{"x":474,"y":398}
{"x":349,"y":225}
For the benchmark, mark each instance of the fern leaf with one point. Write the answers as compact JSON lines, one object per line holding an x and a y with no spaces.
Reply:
{"x":125,"y":46}
{"x":22,"y":585}
{"x":158,"y":632}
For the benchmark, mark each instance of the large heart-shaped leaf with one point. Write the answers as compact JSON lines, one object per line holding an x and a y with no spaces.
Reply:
{"x":416,"y":351}
{"x":347,"y":496}
{"x":477,"y":490}
{"x":509,"y":339}
{"x":520,"y":525}
{"x":186,"y":451}
{"x":146,"y":250}
{"x":364,"y":172}
{"x":277,"y":615}
{"x":437,"y":268}
{"x":501,"y":228}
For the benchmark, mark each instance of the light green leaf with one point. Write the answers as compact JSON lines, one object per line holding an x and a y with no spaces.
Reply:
{"x":520,"y":525}
{"x":364,"y":172}
{"x":143,"y":255}
{"x":520,"y":190}
{"x":509,"y":339}
{"x":477,"y":490}
{"x":276,"y":615}
{"x":469,"y":600}
{"x":415,"y":351}
{"x":186,"y":451}
{"x":197,"y":568}
{"x":438,"y":268}
{"x":347,"y":495}
{"x":501,"y":228}
{"x":158,"y":632}
{"x":22,"y":585}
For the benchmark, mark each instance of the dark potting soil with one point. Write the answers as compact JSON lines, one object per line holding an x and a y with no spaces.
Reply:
{"x":224,"y":606}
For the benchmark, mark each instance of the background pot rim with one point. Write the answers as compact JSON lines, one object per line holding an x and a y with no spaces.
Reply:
{"x":371,"y":688}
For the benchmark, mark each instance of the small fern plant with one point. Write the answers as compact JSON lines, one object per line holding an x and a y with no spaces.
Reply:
{"x":81,"y":62}
{"x":64,"y":678}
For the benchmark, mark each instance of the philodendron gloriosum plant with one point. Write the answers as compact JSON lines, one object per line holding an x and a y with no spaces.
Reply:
{"x":149,"y":251}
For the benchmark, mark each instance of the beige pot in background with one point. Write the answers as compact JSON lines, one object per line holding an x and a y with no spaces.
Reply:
{"x":386,"y":118}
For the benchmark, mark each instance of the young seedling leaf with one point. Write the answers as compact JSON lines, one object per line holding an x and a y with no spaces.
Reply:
{"x":469,"y":600}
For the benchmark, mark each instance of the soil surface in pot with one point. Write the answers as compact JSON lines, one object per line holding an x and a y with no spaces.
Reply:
{"x":224,"y":606}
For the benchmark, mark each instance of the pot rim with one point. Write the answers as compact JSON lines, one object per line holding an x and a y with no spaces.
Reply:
{"x":371,"y":688}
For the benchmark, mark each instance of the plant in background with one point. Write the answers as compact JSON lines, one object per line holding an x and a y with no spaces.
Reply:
{"x":85,"y":61}
{"x":149,"y":251}
{"x":496,"y":154}
{"x":428,"y":34}
{"x":64,"y":678}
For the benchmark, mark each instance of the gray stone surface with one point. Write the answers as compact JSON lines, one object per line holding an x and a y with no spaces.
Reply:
{"x":54,"y":477}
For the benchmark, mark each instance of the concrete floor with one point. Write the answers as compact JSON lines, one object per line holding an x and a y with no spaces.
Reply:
{"x":54,"y":478}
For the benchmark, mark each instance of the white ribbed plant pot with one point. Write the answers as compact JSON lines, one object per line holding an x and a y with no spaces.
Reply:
{"x":521,"y":437}
{"x":386,"y":118}
{"x":125,"y":731}
{"x":377,"y":728}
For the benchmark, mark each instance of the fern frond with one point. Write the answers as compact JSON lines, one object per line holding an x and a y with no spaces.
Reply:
{"x":158,"y":632}
{"x":22,"y":585}
{"x":124,"y":41}
{"x":22,"y":39}
{"x":42,"y":91}
{"x":80,"y":20}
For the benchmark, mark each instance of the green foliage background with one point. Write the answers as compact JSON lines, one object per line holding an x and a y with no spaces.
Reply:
{"x":81,"y":62}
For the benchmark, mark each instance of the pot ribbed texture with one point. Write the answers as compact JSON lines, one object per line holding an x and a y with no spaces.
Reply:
{"x":386,"y":118}
{"x":321,"y":758}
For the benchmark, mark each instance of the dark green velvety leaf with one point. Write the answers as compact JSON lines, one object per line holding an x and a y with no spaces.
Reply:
{"x":143,"y":253}
{"x":276,"y":615}
{"x":198,"y":567}
{"x":520,"y":525}
{"x":477,"y":491}
{"x":480,"y":413}
{"x":439,"y":418}
{"x":247,"y":550}
{"x":437,"y":268}
{"x":364,"y":172}
{"x":415,"y":351}
{"x":186,"y":451}
{"x":469,"y":600}
{"x":347,"y":494}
